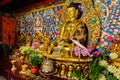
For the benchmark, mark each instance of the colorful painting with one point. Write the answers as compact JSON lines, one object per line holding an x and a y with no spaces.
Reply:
{"x":41,"y":21}
{"x":110,"y":22}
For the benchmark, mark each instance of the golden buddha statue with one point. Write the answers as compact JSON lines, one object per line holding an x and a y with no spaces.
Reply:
{"x":69,"y":49}
{"x":72,"y":29}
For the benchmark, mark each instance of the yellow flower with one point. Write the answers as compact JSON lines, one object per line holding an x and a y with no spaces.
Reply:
{"x":117,"y":75}
{"x":113,"y":56}
{"x":103,"y":63}
{"x":112,"y":69}
{"x":102,"y":77}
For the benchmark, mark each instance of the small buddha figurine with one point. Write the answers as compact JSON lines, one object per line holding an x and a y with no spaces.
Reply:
{"x":28,"y":40}
{"x":70,"y":70}
{"x":46,"y":40}
{"x":37,"y":36}
{"x":24,"y":69}
{"x":78,"y":68}
{"x":63,"y":69}
{"x":13,"y":69}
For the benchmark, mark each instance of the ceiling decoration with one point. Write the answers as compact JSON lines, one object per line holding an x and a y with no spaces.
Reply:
{"x":16,"y":5}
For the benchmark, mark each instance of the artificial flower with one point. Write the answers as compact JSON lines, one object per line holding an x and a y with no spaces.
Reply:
{"x":90,"y":48}
{"x":100,"y":50}
{"x":102,"y":77}
{"x":103,"y":63}
{"x":105,"y":43}
{"x":35,"y":45}
{"x":96,"y":54}
{"x":115,"y":40}
{"x":24,"y":49}
{"x":76,"y":50}
{"x":85,"y":52}
{"x":37,"y":50}
{"x":118,"y":68}
{"x":117,"y":75}
{"x":112,"y":69}
{"x":113,"y":56}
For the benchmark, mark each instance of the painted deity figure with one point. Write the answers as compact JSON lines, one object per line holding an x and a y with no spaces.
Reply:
{"x":72,"y":29}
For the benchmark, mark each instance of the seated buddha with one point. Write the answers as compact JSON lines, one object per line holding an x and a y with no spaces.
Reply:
{"x":73,"y":28}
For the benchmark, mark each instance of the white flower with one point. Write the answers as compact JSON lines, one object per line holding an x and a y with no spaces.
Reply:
{"x":103,"y":63}
{"x":112,"y":69}
{"x":117,"y":75}
{"x":118,"y":69}
{"x":102,"y":77}
{"x":113,"y":56}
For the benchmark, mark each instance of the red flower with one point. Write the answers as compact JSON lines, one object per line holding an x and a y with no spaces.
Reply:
{"x":90,"y":48}
{"x":115,"y":40}
{"x":96,"y":54}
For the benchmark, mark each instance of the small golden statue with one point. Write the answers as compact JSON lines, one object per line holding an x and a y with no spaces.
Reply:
{"x":28,"y":40}
{"x":13,"y":69}
{"x":37,"y":36}
{"x":46,"y":40}
{"x":62,"y":72}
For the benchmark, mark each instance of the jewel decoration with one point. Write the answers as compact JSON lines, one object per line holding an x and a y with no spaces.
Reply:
{"x":94,"y":20}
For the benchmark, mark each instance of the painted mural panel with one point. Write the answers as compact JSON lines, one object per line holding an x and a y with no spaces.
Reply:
{"x":110,"y":22}
{"x":40,"y":21}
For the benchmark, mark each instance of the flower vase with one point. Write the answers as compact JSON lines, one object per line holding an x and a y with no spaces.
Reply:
{"x":34,"y":70}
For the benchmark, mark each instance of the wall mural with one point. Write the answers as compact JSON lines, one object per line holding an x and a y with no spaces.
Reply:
{"x":48,"y":20}
{"x":41,"y":21}
{"x":110,"y":22}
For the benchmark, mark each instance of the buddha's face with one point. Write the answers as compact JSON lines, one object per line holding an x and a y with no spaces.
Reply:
{"x":72,"y":12}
